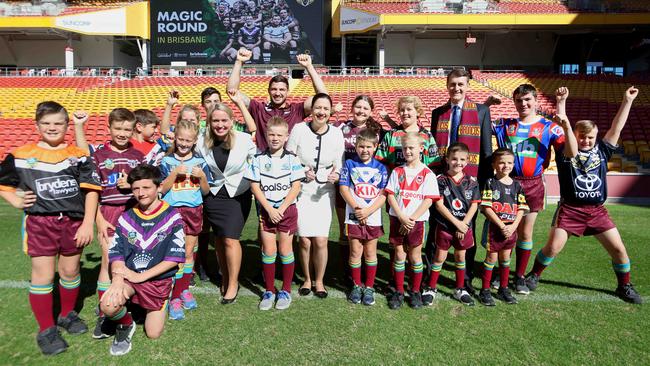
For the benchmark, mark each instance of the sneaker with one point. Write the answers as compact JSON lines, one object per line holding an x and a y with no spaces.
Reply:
{"x":50,"y":342}
{"x":122,"y":342}
{"x":355,"y":295}
{"x":485,"y":297}
{"x":284,"y":300}
{"x":396,"y":300}
{"x":469,"y":288}
{"x":461,"y":295}
{"x":629,"y":294}
{"x":72,"y":323}
{"x":415,"y":300}
{"x":504,"y":295}
{"x":176,"y":310}
{"x":268,"y":298}
{"x":104,"y":328}
{"x":368,"y":296}
{"x":189,"y":302}
{"x":520,"y":286}
{"x":532,"y":280}
{"x":193,"y":281}
{"x":495,"y":283}
{"x":428,"y":294}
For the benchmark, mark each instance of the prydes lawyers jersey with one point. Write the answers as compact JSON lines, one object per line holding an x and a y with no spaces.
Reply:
{"x":55,"y":176}
{"x":390,"y":149}
{"x":583,"y":179}
{"x":504,"y":200}
{"x":458,"y":197}
{"x":275,"y":174}
{"x":142,"y":241}
{"x":110,"y":164}
{"x":366,"y":182}
{"x":531,"y":143}
{"x":411,"y":186}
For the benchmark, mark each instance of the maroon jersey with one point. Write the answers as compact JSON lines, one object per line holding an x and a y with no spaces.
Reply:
{"x":458,"y":197}
{"x":293,"y":113}
{"x":110,"y":164}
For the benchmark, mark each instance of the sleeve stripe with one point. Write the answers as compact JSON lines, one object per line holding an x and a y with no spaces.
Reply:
{"x":90,"y":186}
{"x":7,"y":188}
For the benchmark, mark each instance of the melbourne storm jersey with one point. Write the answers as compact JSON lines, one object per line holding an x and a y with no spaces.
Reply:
{"x":458,"y":197}
{"x":390,"y":149}
{"x":531,"y":143}
{"x":366,"y":182}
{"x":186,"y":190}
{"x":411,"y":186}
{"x":142,"y":241}
{"x":504,"y":200}
{"x":110,"y":164}
{"x":583,"y":179}
{"x":275,"y":174}
{"x":55,"y":176}
{"x":250,"y":35}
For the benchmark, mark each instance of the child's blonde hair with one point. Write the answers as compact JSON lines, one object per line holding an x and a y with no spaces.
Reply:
{"x":180,"y":126}
{"x":188,"y":108}
{"x":417,"y":103}
{"x":410,"y":136}
{"x":277,"y":121}
{"x":585,"y":126}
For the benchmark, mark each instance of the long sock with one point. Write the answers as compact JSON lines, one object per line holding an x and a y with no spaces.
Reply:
{"x":487,"y":274}
{"x":398,"y":268}
{"x":371,"y":272}
{"x":435,"y":274}
{"x":188,"y":272}
{"x":460,"y":274}
{"x":523,"y":250}
{"x":355,"y":272}
{"x":541,"y":262}
{"x":504,"y":272}
{"x":178,"y":282}
{"x":68,"y":293}
{"x":41,"y":299}
{"x":268,"y":268}
{"x":122,"y":317}
{"x":622,"y":271}
{"x":288,"y":265}
{"x":101,"y":288}
{"x":416,"y":269}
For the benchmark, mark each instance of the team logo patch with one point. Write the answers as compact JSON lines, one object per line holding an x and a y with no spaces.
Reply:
{"x":73,"y":161}
{"x":133,"y":163}
{"x":305,"y":2}
{"x":31,"y":162}
{"x":132,"y":237}
{"x":446,"y":192}
{"x":537,"y":133}
{"x":468,"y":195}
{"x":267,"y":167}
{"x":512,"y":129}
{"x":457,"y":204}
{"x":161,"y":236}
{"x":346,"y":129}
{"x":95,"y":176}
{"x":109,"y":164}
{"x":419,"y":179}
{"x":496,"y":195}
{"x":507,"y":190}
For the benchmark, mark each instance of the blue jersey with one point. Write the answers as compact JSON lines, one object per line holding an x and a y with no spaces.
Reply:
{"x":186,"y":190}
{"x":275,"y":174}
{"x":366,"y":182}
{"x":142,"y":241}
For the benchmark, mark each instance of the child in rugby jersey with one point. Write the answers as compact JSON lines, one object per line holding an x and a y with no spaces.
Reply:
{"x":410,"y":191}
{"x":362,"y":184}
{"x":186,"y":180}
{"x":459,"y":201}
{"x":57,"y":187}
{"x":276,"y":176}
{"x":582,"y":171}
{"x":145,"y":253}
{"x":504,"y":204}
{"x":146,"y":126}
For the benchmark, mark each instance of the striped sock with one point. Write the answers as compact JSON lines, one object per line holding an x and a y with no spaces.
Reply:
{"x":268,"y":269}
{"x":398,"y":269}
{"x":288,"y":265}
{"x":188,"y":273}
{"x":41,"y":299}
{"x":416,"y":269}
{"x":178,"y":282}
{"x":68,"y":293}
{"x":101,"y":288}
{"x":122,"y":317}
{"x":523,"y":250}
{"x":371,"y":272}
{"x":460,"y":274}
{"x":541,"y":262}
{"x":504,"y":271}
{"x":435,"y":274}
{"x":487,"y":274}
{"x":355,"y":272}
{"x":622,"y":271}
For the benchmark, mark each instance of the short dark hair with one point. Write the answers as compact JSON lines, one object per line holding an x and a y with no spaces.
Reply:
{"x":207,"y":92}
{"x":502,"y":151}
{"x":458,"y":73}
{"x":145,"y":171}
{"x":367,"y":135}
{"x":321,"y":96}
{"x":279,"y":79}
{"x":457,"y":147}
{"x":121,"y":114}
{"x":50,"y":107}
{"x":146,"y":117}
{"x":524,"y":89}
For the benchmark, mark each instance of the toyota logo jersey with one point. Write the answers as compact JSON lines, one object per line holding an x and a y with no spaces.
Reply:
{"x":275,"y":174}
{"x":411,"y":186}
{"x":366,"y":181}
{"x":583,"y":179}
{"x":504,"y":199}
{"x":457,"y":197}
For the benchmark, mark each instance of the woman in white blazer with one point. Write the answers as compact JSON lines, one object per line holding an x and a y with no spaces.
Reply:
{"x":320,"y":148}
{"x":228,"y":153}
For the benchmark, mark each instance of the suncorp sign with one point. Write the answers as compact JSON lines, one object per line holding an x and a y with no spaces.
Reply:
{"x":353,"y":20}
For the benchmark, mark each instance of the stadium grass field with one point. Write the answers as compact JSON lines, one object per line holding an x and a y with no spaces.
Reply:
{"x":573,"y":318}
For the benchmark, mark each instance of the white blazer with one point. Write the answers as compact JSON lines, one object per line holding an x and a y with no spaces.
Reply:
{"x":238,"y":162}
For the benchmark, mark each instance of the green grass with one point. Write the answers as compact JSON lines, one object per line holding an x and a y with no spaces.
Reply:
{"x":573,"y":318}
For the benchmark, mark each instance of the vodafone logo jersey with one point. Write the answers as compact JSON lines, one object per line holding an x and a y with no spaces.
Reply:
{"x":411,"y":186}
{"x":458,"y":196}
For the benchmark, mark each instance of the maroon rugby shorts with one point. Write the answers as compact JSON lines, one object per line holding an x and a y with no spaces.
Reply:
{"x":47,"y":236}
{"x":416,"y":237}
{"x":112,"y":214}
{"x":192,"y":219}
{"x":152,"y":295}
{"x":288,"y":224}
{"x":445,"y":240}
{"x":363,"y":232}
{"x":535,"y":191}
{"x":497,"y":242}
{"x":582,"y":220}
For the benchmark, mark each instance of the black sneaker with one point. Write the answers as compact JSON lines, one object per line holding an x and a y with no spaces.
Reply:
{"x":520,"y":286}
{"x":50,"y":342}
{"x":532,"y":280}
{"x":104,"y":328}
{"x":192,"y":281}
{"x":469,"y":288}
{"x":485,"y":297}
{"x":122,"y":342}
{"x":628,"y":293}
{"x":415,"y":300}
{"x":428,"y":295}
{"x":504,"y":295}
{"x":72,"y":323}
{"x":461,"y":295}
{"x":396,"y":300}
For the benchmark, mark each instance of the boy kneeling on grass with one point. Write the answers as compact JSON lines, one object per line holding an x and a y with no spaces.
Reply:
{"x":144,"y":254}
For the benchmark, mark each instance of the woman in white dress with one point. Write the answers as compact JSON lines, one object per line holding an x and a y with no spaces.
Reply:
{"x":320,"y":148}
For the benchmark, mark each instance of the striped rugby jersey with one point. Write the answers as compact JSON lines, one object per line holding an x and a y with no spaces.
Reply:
{"x":390,"y":149}
{"x":110,"y":164}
